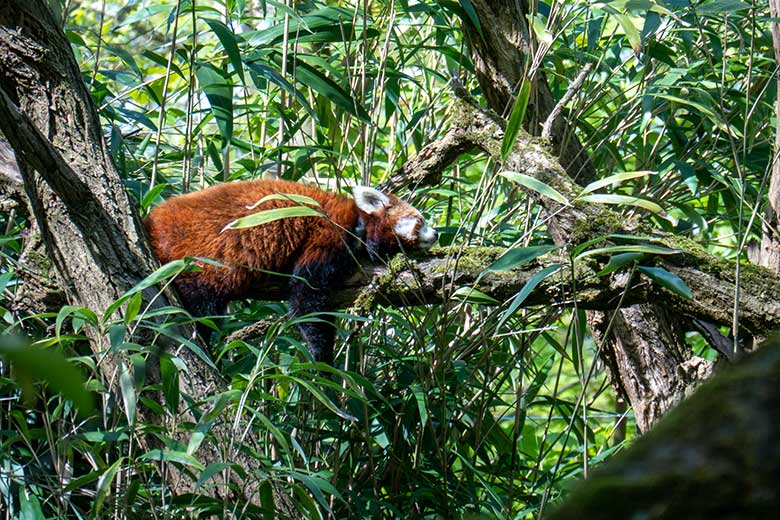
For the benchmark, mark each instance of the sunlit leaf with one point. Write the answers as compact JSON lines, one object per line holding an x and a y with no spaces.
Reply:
{"x":613,"y":180}
{"x":623,"y":200}
{"x":270,"y":215}
{"x":219,"y":92}
{"x":629,"y":248}
{"x":468,"y":294}
{"x":535,"y":185}
{"x":617,"y":262}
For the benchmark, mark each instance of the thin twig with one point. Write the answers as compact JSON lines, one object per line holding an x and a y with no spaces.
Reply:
{"x":570,"y":93}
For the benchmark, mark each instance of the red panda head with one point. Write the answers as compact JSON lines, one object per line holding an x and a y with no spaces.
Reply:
{"x":391,"y":225}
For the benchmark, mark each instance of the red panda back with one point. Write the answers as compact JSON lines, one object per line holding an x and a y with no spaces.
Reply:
{"x":194,"y":225}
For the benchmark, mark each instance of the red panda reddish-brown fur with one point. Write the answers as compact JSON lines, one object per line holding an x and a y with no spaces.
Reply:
{"x":319,"y":252}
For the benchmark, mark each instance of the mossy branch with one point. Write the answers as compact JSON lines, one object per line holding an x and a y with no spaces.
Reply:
{"x":436,"y":278}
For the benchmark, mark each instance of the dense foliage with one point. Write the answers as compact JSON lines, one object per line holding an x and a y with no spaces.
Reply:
{"x":468,"y":408}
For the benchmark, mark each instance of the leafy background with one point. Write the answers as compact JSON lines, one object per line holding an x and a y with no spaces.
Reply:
{"x":471,"y":408}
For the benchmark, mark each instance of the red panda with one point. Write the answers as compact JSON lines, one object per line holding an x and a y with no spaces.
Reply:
{"x":319,"y":253}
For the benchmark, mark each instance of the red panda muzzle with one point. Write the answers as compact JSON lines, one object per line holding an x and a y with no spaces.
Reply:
{"x":319,"y":252}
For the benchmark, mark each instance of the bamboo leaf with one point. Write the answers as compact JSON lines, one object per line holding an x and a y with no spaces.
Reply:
{"x":292,"y":197}
{"x":641,"y":248}
{"x":518,"y":256}
{"x":219,"y":92}
{"x":526,"y":291}
{"x":535,"y":185}
{"x":273,"y":76}
{"x":470,"y":295}
{"x":32,"y":363}
{"x":105,"y":484}
{"x":127,"y":387}
{"x":228,"y":40}
{"x":515,"y":122}
{"x":167,"y":455}
{"x":623,"y":200}
{"x":264,"y":217}
{"x":667,"y":280}
{"x":613,"y":180}
{"x":618,"y":261}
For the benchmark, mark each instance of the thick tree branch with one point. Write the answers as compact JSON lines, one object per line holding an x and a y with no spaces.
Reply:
{"x":434,"y":279}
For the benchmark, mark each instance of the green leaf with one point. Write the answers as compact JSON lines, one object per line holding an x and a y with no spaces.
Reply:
{"x":151,"y":196}
{"x":516,"y":119}
{"x":721,"y":6}
{"x":311,"y":77}
{"x":329,"y":24}
{"x":618,"y":261}
{"x":209,"y":471}
{"x":518,"y":256}
{"x":165,"y":272}
{"x":471,"y":14}
{"x":170,"y":383}
{"x":613,"y":180}
{"x":69,"y":311}
{"x":109,"y":436}
{"x":219,"y":92}
{"x":162,"y":61}
{"x":228,"y":40}
{"x":142,"y":14}
{"x":323,"y":398}
{"x":422,"y":404}
{"x":630,"y":30}
{"x":172,"y":456}
{"x":133,"y":306}
{"x":623,"y":200}
{"x":126,"y":57}
{"x":264,"y":217}
{"x":127,"y":386}
{"x":105,"y":484}
{"x":641,"y":248}
{"x":470,"y":295}
{"x":292,"y":197}
{"x":266,"y":493}
{"x":667,"y":280}
{"x":526,"y":290}
{"x":535,"y":185}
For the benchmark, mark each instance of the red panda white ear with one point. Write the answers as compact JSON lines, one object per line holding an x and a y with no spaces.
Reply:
{"x":369,"y":199}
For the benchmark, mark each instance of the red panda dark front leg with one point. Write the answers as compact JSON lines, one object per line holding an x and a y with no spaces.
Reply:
{"x":315,"y":275}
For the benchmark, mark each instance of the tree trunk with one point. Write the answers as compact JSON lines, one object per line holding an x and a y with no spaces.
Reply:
{"x":502,"y":52}
{"x":770,"y":242}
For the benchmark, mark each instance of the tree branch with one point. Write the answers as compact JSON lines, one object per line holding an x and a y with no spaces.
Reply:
{"x":435,"y":278}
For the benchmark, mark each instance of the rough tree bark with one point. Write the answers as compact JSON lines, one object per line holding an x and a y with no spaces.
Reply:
{"x":770,"y":241}
{"x":646,"y":352}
